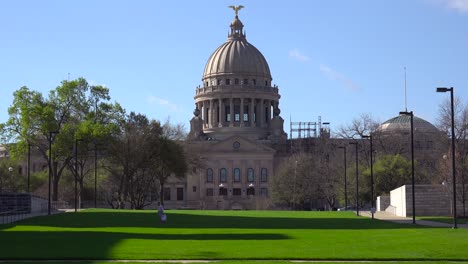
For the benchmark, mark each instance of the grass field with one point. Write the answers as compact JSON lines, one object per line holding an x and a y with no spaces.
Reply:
{"x":227,"y":235}
{"x":443,"y":219}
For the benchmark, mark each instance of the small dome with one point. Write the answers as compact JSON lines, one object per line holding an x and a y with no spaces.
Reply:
{"x":237,"y":57}
{"x":403,"y":123}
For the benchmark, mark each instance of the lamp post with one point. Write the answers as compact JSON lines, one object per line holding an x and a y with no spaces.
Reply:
{"x":345,"y":183}
{"x":357,"y":177}
{"x":371,"y":173}
{"x":294,"y":186}
{"x":50,"y":168}
{"x":76,"y":173}
{"x":95,"y":175}
{"x":410,"y":113}
{"x":29,"y":165}
{"x":443,"y":90}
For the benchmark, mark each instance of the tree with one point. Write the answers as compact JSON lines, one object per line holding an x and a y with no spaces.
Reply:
{"x":170,"y":161}
{"x":390,"y":172}
{"x":33,"y":118}
{"x":461,"y":147}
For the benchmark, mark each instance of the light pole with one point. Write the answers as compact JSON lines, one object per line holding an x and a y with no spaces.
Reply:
{"x":95,"y":175}
{"x":410,"y":113}
{"x":50,"y":167}
{"x":345,"y":183}
{"x":357,"y":177}
{"x":371,"y":173}
{"x":29,"y":165}
{"x":294,"y":187}
{"x":10,"y":169}
{"x":443,"y":90}
{"x":76,"y":173}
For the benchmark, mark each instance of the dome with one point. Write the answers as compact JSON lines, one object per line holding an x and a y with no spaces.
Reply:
{"x":237,"y":57}
{"x":403,"y":123}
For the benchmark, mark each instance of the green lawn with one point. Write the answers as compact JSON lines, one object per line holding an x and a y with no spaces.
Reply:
{"x":229,"y":235}
{"x":443,"y":219}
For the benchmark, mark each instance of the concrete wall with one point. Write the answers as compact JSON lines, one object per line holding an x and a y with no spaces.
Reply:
{"x":430,"y":200}
{"x":383,"y":202}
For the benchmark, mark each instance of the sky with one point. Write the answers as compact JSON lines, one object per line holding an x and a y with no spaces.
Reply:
{"x":334,"y":59}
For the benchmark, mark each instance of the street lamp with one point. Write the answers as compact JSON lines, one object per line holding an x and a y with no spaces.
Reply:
{"x":345,"y":184}
{"x":357,"y":178}
{"x":50,"y":167}
{"x":29,"y":165}
{"x":76,"y":173}
{"x":294,"y":186}
{"x":410,"y":113}
{"x":371,"y":173}
{"x":443,"y":90}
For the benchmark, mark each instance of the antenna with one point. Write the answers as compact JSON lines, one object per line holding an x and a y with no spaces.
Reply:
{"x":406,"y":98}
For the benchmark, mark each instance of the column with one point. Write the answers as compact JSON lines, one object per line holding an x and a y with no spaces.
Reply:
{"x":211,"y":114}
{"x":261,"y":110}
{"x":231,"y":112}
{"x":268,"y":113}
{"x":220,"y":112}
{"x":251,"y":112}
{"x":242,"y":112}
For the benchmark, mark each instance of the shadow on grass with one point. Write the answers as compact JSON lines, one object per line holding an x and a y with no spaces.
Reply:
{"x":176,"y":219}
{"x":97,"y":245}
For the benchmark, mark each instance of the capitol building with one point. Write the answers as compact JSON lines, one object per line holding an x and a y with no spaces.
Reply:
{"x":234,"y":130}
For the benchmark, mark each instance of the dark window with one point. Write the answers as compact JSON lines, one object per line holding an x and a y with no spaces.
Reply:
{"x":227,"y":110}
{"x":254,"y":82}
{"x":167,"y":194}
{"x":209,"y":192}
{"x":264,"y":175}
{"x":209,"y":175}
{"x":194,"y":188}
{"x":263,"y":192}
{"x":266,"y":83}
{"x":218,"y":82}
{"x":236,"y":81}
{"x":237,"y":175}
{"x":237,"y":113}
{"x":228,"y":81}
{"x":223,"y":175}
{"x":20,"y":170}
{"x":251,"y":191}
{"x":222,"y":191}
{"x":250,"y":175}
{"x":236,"y":191}
{"x":180,"y":194}
{"x":206,"y":83}
{"x":246,"y":81}
{"x":246,"y":113}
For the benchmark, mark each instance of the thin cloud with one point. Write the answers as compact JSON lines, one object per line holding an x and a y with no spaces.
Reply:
{"x":297,"y":55}
{"x":164,"y":103}
{"x":334,"y":75}
{"x":459,"y":5}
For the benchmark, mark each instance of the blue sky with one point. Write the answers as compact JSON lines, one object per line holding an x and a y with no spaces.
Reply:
{"x":334,"y":59}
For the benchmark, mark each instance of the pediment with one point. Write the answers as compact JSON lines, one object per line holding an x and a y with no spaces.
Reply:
{"x":239,"y":144}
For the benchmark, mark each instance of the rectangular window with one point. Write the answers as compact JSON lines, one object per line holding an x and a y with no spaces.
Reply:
{"x":246,"y":81}
{"x":246,"y":113}
{"x":236,"y":81}
{"x":236,"y":113}
{"x":236,"y":191}
{"x":264,"y":175}
{"x":222,"y":191}
{"x":237,"y":175}
{"x":167,"y":194}
{"x":227,"y":110}
{"x":228,"y":81}
{"x":263,"y":192}
{"x":180,"y":194}
{"x":209,"y":192}
{"x":194,"y":188}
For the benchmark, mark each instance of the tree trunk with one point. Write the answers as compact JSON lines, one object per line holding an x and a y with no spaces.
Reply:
{"x":161,"y":194}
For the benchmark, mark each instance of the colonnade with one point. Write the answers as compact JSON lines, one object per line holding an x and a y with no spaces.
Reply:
{"x":236,"y":112}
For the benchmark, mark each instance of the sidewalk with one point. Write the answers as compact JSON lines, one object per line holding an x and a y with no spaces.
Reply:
{"x":382,"y":215}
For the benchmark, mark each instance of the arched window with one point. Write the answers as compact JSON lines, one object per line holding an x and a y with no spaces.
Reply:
{"x":222,"y":175}
{"x":250,"y":175}
{"x":264,"y":175}
{"x":237,"y":175}
{"x":209,"y":175}
{"x":228,"y":81}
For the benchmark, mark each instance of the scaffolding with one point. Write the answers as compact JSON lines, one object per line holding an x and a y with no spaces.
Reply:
{"x":309,"y":129}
